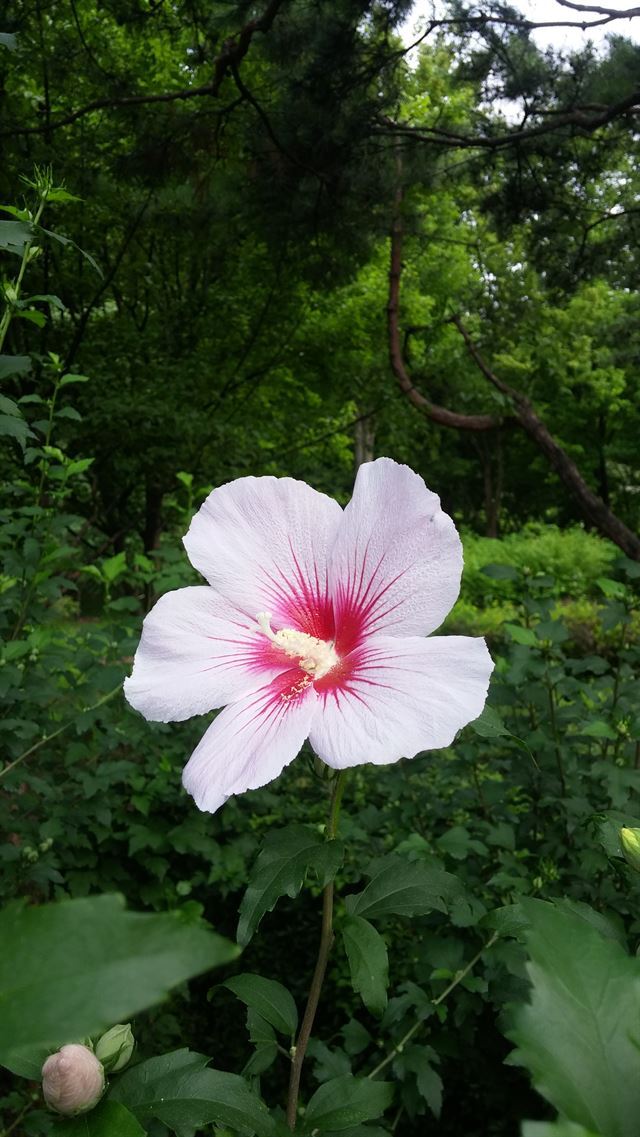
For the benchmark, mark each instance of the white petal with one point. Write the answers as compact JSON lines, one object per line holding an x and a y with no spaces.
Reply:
{"x":251,"y":741}
{"x":196,"y":653}
{"x":397,"y":561}
{"x":402,"y":696}
{"x":263,"y":543}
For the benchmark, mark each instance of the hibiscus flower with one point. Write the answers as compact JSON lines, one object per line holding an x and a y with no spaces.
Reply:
{"x":312,"y":625}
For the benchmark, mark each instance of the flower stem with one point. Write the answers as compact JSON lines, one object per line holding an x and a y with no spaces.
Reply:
{"x":324,"y":949}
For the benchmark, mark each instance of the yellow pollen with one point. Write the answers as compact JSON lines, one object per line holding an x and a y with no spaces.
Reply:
{"x":316,"y":657}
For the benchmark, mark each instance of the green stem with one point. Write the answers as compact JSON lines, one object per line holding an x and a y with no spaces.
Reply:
{"x":460,"y":975}
{"x":556,"y":737}
{"x":55,"y":733}
{"x":324,"y":949}
{"x":7,"y":315}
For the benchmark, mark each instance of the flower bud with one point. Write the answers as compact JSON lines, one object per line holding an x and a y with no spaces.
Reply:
{"x":72,"y":1080}
{"x":630,"y":842}
{"x":114,"y":1049}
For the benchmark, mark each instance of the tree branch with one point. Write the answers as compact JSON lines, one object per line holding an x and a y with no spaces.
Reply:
{"x":452,"y":140}
{"x":234,"y":50}
{"x":593,"y":507}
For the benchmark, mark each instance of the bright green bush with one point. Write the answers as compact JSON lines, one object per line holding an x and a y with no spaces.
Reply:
{"x":574,"y":557}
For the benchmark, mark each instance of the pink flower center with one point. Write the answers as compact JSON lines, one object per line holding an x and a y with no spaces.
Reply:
{"x":316,"y":657}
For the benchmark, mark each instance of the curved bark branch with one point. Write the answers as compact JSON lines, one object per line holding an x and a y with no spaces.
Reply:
{"x":593,"y":508}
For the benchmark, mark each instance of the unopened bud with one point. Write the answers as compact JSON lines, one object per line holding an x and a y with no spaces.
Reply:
{"x":72,"y":1080}
{"x":630,"y":842}
{"x":114,"y":1049}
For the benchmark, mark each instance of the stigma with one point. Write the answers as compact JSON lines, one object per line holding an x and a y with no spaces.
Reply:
{"x":316,"y":657}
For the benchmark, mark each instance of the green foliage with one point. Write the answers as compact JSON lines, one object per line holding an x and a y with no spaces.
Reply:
{"x":578,"y":1035}
{"x":82,"y":965}
{"x":230,"y":316}
{"x":181,"y":1091}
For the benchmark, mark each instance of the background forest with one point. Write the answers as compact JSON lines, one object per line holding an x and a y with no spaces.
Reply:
{"x":283,"y":238}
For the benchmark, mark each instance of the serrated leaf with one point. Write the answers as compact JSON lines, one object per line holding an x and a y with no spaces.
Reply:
{"x":262,"y":1036}
{"x":579,"y":1036}
{"x":404,"y":888}
{"x":269,"y":998}
{"x":108,"y":1119}
{"x":280,"y":869}
{"x":489,"y":724}
{"x":12,"y":427}
{"x":14,"y":365}
{"x":368,"y":962}
{"x":344,"y":1102}
{"x":14,"y":235}
{"x":73,"y":968}
{"x":419,"y":1060}
{"x":179,"y":1090}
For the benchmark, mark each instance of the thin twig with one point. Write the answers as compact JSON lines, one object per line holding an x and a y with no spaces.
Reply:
{"x":460,"y":975}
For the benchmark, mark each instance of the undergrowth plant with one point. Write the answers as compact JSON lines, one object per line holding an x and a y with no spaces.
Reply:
{"x":381,"y":932}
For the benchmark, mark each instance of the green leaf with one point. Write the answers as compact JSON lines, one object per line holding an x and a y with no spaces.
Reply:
{"x":419,"y":1059}
{"x":521,"y":635}
{"x":14,"y":365}
{"x":347,"y":1101}
{"x":181,"y":1092}
{"x":33,"y":316}
{"x":268,"y":998}
{"x":74,"y":968}
{"x":67,"y":241}
{"x":500,"y":572}
{"x":579,"y":1036}
{"x":263,"y":1037}
{"x":108,"y":1119}
{"x":67,"y":379}
{"x":559,"y":1128}
{"x":14,"y":235}
{"x":404,"y":888}
{"x":598,"y":729}
{"x":9,"y":407}
{"x":489,"y":724}
{"x":368,"y":962}
{"x":12,"y":427}
{"x":280,"y":869}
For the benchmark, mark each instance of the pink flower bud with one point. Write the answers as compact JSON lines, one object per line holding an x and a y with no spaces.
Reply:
{"x":72,"y":1080}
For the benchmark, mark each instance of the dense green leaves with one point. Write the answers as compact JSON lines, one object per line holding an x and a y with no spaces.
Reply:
{"x":283,"y":862}
{"x":578,"y":1035}
{"x":74,"y":968}
{"x":179,"y":1090}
